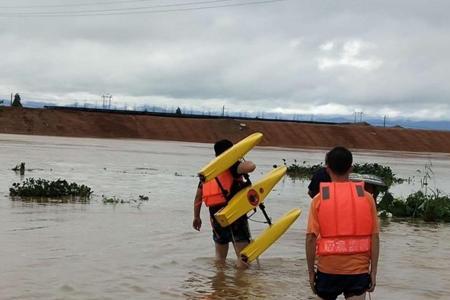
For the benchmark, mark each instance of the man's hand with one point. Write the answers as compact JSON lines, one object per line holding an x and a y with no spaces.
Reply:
{"x":197,"y":224}
{"x":373,"y":278}
{"x":312,"y":278}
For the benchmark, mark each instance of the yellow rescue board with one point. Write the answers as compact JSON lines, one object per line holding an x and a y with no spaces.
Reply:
{"x":249,"y":198}
{"x":229,"y":157}
{"x":269,"y":236}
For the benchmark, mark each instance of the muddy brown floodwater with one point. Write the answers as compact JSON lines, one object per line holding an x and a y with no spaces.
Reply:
{"x":150,"y":251}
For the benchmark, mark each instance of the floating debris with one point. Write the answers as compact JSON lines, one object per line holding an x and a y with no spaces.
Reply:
{"x":113,"y":200}
{"x":116,"y":200}
{"x":20,"y":168}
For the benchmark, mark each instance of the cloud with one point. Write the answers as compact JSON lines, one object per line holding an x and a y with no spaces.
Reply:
{"x":349,"y":57}
{"x":291,"y":56}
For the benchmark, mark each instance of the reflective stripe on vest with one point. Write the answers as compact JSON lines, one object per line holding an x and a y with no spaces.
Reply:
{"x":345,"y":219}
{"x":214,"y":194}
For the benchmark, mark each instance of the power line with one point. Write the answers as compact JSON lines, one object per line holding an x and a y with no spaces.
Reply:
{"x":75,"y":4}
{"x":132,"y":11}
{"x":123,"y":9}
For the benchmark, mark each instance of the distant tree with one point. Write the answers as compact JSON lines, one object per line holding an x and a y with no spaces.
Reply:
{"x":178,"y":111}
{"x":16,"y":102}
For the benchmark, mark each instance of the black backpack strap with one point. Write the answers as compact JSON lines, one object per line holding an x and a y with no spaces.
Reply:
{"x":225,"y":193}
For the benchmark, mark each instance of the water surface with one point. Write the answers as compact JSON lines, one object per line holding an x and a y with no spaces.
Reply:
{"x":150,"y":251}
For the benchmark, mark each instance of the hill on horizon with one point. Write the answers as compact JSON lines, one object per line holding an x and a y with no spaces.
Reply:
{"x":374,"y":121}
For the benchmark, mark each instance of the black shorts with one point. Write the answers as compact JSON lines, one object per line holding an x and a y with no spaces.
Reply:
{"x":236,"y":232}
{"x":330,"y":286}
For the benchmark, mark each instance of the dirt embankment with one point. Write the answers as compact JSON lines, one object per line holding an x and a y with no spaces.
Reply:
{"x":280,"y":134}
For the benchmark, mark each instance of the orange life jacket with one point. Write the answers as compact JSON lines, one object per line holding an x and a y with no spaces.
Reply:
{"x":216,"y":191}
{"x":345,"y":219}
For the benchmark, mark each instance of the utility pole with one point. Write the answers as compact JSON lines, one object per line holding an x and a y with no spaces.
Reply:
{"x":223,"y":111}
{"x":106,"y":101}
{"x":358,"y":115}
{"x":384,"y":121}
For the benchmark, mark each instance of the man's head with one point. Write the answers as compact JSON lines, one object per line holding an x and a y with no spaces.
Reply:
{"x":339,"y":161}
{"x":222,"y":146}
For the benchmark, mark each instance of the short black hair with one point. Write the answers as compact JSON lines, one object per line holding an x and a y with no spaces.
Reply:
{"x":326,"y":158}
{"x":339,"y":160}
{"x":222,"y":146}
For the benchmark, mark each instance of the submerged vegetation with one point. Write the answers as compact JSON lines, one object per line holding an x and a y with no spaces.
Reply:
{"x":42,"y":188}
{"x":116,"y":200}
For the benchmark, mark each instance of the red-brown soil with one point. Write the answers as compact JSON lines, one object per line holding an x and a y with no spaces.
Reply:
{"x":279,"y":134}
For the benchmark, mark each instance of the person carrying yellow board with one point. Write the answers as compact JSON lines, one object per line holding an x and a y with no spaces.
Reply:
{"x":215,"y":194}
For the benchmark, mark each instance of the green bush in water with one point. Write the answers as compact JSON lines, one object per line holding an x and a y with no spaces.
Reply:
{"x":431,"y":208}
{"x":414,"y":204}
{"x":385,"y":172}
{"x":399,"y":209}
{"x":437,"y":208}
{"x":302,"y":171}
{"x":385,"y":203}
{"x":44,"y":188}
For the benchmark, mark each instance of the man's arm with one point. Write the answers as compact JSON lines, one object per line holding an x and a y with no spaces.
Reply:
{"x":375,"y":249}
{"x":310,"y":247}
{"x":374,"y":260}
{"x":197,"y":223}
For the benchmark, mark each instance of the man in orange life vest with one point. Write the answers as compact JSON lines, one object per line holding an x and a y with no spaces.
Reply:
{"x":216,"y":194}
{"x":343,"y":233}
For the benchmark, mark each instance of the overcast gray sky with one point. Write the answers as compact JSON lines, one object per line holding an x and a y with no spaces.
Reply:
{"x":309,"y":57}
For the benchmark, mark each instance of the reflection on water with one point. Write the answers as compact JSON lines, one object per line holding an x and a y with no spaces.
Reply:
{"x":97,"y":251}
{"x":274,"y":279}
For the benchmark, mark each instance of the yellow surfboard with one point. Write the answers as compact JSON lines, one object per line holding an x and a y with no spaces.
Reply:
{"x":229,"y":157}
{"x":249,"y":198}
{"x":269,"y":236}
